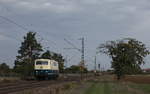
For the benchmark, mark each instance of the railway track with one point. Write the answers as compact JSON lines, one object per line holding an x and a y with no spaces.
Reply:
{"x":24,"y":85}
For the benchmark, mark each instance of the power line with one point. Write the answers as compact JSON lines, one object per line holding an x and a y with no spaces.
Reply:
{"x":42,"y":39}
{"x":82,"y":63}
{"x":18,"y":25}
{"x":13,"y":22}
{"x":10,"y":20}
{"x":74,"y":47}
{"x":11,"y":37}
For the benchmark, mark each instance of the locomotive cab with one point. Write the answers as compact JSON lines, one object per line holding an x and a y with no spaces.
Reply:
{"x":46,"y":69}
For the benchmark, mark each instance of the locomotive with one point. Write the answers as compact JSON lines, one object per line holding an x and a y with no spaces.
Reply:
{"x":46,"y":69}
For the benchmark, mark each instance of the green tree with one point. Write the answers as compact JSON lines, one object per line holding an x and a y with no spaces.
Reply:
{"x":127,"y":55}
{"x":29,"y":51}
{"x":4,"y":69}
{"x":55,"y":56}
{"x":47,"y":55}
{"x":75,"y":69}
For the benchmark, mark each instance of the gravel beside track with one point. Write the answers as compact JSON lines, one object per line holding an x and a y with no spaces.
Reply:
{"x":23,"y":85}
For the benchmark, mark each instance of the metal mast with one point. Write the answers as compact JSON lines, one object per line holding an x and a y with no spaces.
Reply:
{"x":82,"y":50}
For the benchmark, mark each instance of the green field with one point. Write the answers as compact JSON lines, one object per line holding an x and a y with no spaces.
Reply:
{"x":141,"y":87}
{"x":109,"y":86}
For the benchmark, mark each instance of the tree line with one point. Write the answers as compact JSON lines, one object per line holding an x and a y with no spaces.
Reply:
{"x":127,"y":55}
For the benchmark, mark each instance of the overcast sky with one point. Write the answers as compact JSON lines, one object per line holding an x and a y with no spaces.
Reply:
{"x":97,"y":21}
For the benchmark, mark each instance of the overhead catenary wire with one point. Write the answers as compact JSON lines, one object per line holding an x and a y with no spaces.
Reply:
{"x":11,"y":37}
{"x":74,"y":47}
{"x":21,"y":26}
{"x":54,"y":46}
{"x":26,"y":29}
{"x":13,"y":22}
{"x":18,"y":25}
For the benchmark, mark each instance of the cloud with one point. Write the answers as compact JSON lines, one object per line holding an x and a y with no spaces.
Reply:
{"x":97,"y":20}
{"x":44,"y":5}
{"x":3,"y":38}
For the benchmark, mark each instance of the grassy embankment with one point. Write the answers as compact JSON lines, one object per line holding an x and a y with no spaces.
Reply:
{"x":107,"y":85}
{"x":141,"y":87}
{"x":100,"y":85}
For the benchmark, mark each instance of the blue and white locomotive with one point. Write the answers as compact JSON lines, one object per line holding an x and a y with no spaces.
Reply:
{"x":46,"y":69}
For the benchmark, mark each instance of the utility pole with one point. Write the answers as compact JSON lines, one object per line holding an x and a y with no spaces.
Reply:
{"x":66,"y":63}
{"x":82,"y":50}
{"x":82,"y":58}
{"x":95,"y":65}
{"x":99,"y":67}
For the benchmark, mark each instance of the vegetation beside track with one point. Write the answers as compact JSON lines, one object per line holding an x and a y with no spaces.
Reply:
{"x":107,"y":85}
{"x":97,"y":85}
{"x":142,"y":87}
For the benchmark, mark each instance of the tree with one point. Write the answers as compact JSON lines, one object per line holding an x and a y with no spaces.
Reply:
{"x":47,"y":55}
{"x":127,"y":55}
{"x":75,"y":69}
{"x":4,"y":69}
{"x":29,"y":51}
{"x":54,"y":56}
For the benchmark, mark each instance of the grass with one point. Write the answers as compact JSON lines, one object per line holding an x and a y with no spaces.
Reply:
{"x":95,"y":89}
{"x":101,"y":85}
{"x":68,"y":86}
{"x":142,"y":87}
{"x":107,"y":88}
{"x":78,"y":88}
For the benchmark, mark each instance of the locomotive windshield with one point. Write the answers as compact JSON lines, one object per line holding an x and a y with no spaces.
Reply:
{"x":42,"y":63}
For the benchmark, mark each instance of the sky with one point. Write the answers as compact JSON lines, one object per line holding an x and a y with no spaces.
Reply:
{"x":97,"y":21}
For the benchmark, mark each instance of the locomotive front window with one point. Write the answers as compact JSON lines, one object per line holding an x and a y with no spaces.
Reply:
{"x":41,"y":63}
